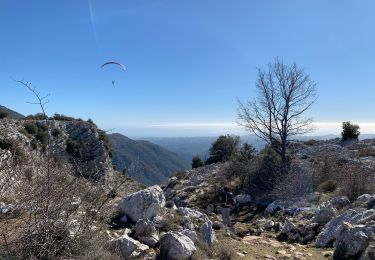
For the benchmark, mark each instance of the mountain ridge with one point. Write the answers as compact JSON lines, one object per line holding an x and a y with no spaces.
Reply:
{"x":143,"y":160}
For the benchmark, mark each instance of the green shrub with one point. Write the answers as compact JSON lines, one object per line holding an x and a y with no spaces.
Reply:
{"x":6,"y":143}
{"x":328,"y":186}
{"x":73,"y":147}
{"x":107,"y":143}
{"x":38,"y":116}
{"x":225,"y":147}
{"x":31,"y":128}
{"x":61,"y":117}
{"x":349,"y":131}
{"x":196,"y":162}
{"x":3,"y":114}
{"x":56,"y":132}
{"x":246,"y":153}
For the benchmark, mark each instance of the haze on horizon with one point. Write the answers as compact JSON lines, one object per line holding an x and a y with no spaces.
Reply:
{"x":187,"y":61}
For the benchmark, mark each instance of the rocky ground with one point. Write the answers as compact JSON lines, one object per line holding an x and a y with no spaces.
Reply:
{"x":180,"y":219}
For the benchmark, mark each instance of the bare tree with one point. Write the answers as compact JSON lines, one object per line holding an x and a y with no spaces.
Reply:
{"x":285,"y":92}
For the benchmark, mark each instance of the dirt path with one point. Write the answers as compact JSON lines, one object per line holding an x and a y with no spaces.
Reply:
{"x":259,"y":247}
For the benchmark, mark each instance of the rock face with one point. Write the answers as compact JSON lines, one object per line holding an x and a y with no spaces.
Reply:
{"x":334,"y":227}
{"x":176,"y":246}
{"x":144,"y":204}
{"x":93,"y":152}
{"x":352,"y":241}
{"x":322,"y":216}
{"x":129,"y":247}
{"x":146,"y":233}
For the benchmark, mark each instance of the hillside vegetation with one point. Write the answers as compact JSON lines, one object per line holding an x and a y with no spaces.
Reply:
{"x":8,"y":113}
{"x":144,"y":161}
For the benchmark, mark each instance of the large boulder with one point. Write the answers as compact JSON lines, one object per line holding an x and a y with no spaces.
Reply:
{"x":192,"y":214}
{"x":143,"y":204}
{"x":176,"y":246}
{"x":322,"y":216}
{"x":275,"y":206}
{"x":352,"y":241}
{"x":334,"y":227}
{"x":129,"y":247}
{"x":243,"y":199}
{"x":207,"y":233}
{"x":364,"y":198}
{"x":337,"y":203}
{"x":145,"y":232}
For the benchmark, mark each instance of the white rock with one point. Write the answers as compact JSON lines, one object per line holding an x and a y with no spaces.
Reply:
{"x":191,"y":234}
{"x":143,"y":204}
{"x":192,"y":213}
{"x":364,"y":198}
{"x":145,"y":232}
{"x":176,"y":246}
{"x":129,"y":247}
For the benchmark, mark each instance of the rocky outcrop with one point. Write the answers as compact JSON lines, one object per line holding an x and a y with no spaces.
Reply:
{"x":352,"y":240}
{"x":145,"y":232}
{"x":90,"y":156}
{"x":144,"y":204}
{"x":176,"y":246}
{"x":129,"y":247}
{"x":335,"y":226}
{"x":324,"y":215}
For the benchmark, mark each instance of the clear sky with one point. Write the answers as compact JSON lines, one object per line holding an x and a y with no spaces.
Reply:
{"x":187,"y":61}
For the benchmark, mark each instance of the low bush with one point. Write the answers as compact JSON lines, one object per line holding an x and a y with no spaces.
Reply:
{"x":328,"y":186}
{"x":6,"y":143}
{"x":356,"y":180}
{"x":295,"y":185}
{"x":74,"y":148}
{"x":196,"y":162}
{"x":61,"y":117}
{"x":107,"y":143}
{"x":3,"y":114}
{"x":38,"y":116}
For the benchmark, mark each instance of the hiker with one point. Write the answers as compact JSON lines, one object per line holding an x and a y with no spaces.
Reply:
{"x":227,"y":202}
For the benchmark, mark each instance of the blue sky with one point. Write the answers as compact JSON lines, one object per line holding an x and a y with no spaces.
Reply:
{"x":187,"y":60}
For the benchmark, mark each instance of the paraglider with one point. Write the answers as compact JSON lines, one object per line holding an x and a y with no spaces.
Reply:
{"x":114,"y":63}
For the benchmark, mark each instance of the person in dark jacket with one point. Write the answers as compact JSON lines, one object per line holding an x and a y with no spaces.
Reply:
{"x":227,"y":202}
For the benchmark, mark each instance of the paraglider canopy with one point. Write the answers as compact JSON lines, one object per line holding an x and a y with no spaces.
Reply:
{"x":114,"y":63}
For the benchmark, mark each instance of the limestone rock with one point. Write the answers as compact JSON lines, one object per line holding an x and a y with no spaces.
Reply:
{"x":323,"y":215}
{"x":352,"y":240}
{"x":143,"y":204}
{"x":129,"y":247}
{"x":176,"y":246}
{"x":146,"y":233}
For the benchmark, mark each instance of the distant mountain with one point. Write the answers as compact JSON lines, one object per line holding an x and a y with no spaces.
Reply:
{"x":11,"y":114}
{"x":144,"y":161}
{"x":187,"y":147}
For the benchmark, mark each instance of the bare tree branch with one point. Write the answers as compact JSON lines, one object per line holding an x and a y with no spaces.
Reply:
{"x":285,"y":93}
